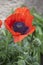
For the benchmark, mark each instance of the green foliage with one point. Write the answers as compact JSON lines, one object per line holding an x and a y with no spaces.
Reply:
{"x":26,"y":52}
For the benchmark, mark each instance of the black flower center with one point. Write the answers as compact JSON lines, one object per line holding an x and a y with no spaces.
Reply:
{"x":20,"y":27}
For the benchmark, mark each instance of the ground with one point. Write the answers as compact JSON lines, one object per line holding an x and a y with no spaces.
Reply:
{"x":7,"y":5}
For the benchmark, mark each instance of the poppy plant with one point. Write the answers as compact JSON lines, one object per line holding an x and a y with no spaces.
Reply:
{"x":0,"y":23}
{"x":20,"y":23}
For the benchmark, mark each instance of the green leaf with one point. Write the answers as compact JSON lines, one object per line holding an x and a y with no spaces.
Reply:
{"x":21,"y":62}
{"x":35,"y":63}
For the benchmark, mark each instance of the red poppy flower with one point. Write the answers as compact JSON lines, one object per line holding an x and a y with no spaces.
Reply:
{"x":0,"y":23}
{"x":20,"y":24}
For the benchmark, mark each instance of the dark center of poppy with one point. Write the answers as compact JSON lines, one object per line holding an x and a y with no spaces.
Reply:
{"x":20,"y":27}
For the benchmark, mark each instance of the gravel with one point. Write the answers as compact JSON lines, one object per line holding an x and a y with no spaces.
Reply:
{"x":7,"y":5}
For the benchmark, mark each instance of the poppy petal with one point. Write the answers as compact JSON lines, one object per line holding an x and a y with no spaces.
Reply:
{"x":0,"y":23}
{"x":28,"y":20}
{"x":9,"y":22}
{"x":21,"y":37}
{"x":11,"y":30}
{"x":24,"y":15}
{"x":22,"y":10}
